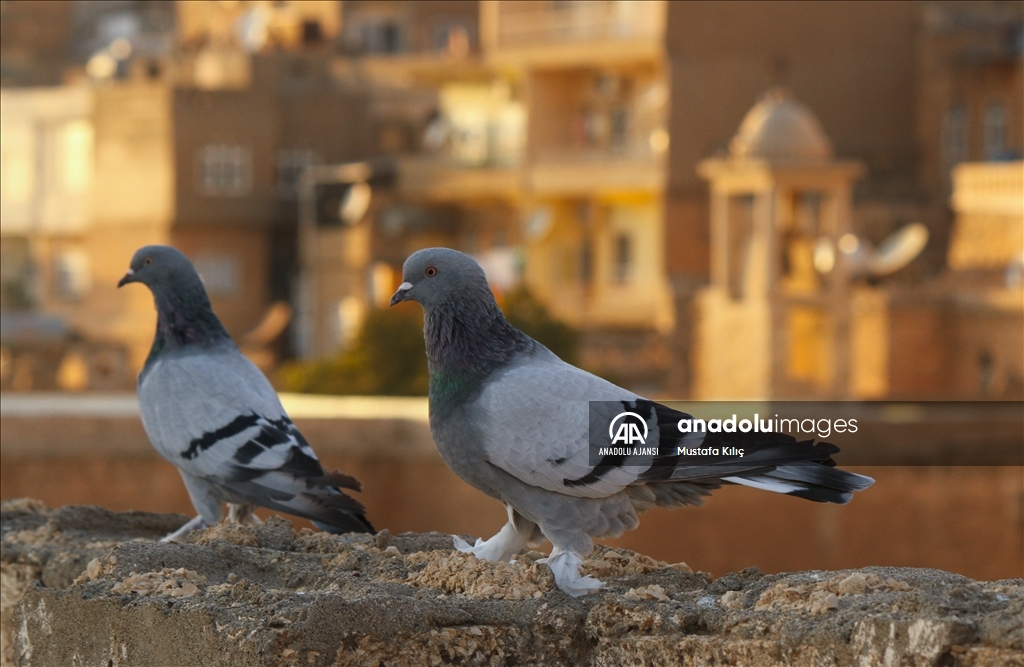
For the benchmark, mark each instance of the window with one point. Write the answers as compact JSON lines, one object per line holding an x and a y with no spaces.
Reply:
{"x":453,"y":38}
{"x":312,"y":32}
{"x":290,"y":163}
{"x":220,"y":274}
{"x":955,"y":147}
{"x":16,"y":274}
{"x":586,"y":261}
{"x":994,"y":126}
{"x":224,"y":170}
{"x":623,"y":267}
{"x":740,"y":232}
{"x":807,"y":213}
{"x":381,"y":36}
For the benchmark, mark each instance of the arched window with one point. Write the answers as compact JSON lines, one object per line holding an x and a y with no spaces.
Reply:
{"x":955,"y":146}
{"x":994,"y":128}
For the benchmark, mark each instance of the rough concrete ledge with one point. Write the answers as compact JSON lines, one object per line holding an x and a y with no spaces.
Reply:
{"x":86,"y":586}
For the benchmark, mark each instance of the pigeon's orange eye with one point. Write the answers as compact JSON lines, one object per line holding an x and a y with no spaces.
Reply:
{"x":148,"y":261}
{"x":431,"y":272}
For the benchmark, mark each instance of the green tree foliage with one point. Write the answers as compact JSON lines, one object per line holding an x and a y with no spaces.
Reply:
{"x":388,"y":358}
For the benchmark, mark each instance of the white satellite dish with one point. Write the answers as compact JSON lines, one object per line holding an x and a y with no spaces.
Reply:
{"x":898,"y":250}
{"x":253,"y":28}
{"x":895,"y":252}
{"x":355,"y":203}
{"x":538,"y":224}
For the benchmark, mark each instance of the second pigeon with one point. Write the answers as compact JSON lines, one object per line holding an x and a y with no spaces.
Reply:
{"x":209,"y":411}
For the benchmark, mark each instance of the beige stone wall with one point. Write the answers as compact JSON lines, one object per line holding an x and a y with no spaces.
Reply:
{"x":110,"y":314}
{"x":129,"y":205}
{"x":733,"y":351}
{"x":988,"y":358}
{"x":132,"y":206}
{"x":956,"y":347}
{"x":920,"y":336}
{"x":34,"y":41}
{"x":869,"y":339}
{"x":135,"y":153}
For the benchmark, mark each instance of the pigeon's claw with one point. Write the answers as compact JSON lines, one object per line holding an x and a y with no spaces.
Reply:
{"x":243,"y":513}
{"x":565,"y":565}
{"x":195,"y":523}
{"x":462,"y":545}
{"x":502,"y":546}
{"x":481,"y":549}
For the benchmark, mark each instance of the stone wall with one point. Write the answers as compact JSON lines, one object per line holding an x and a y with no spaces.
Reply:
{"x":86,"y":586}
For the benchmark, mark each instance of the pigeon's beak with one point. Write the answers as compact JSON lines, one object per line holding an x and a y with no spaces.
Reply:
{"x":400,"y":293}
{"x":128,"y":278}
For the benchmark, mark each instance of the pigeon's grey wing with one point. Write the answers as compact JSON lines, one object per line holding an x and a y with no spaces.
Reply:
{"x":535,"y":423}
{"x":535,"y":420}
{"x":216,"y":417}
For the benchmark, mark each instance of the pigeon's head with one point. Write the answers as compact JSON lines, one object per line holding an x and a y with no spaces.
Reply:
{"x":434,"y":276}
{"x":160,"y":267}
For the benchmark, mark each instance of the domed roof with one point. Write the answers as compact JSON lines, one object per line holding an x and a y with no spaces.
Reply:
{"x":779,"y":128}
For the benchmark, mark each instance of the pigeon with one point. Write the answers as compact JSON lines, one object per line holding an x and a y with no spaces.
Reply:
{"x":513,"y":420}
{"x":212,"y":413}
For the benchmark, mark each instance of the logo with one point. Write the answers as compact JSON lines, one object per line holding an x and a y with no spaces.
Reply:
{"x":628,"y":432}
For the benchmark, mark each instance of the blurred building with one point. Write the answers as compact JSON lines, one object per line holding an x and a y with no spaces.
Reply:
{"x":185,"y":148}
{"x":35,"y":40}
{"x":776,"y":318}
{"x":545,"y":161}
{"x":299,"y":151}
{"x":799,"y":305}
{"x":48,"y":268}
{"x":970,"y":88}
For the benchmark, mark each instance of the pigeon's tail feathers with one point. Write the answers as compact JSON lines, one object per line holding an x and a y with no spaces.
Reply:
{"x":343,"y":521}
{"x":670,"y":494}
{"x":336,"y":480}
{"x":347,"y":514}
{"x":775,"y":462}
{"x":316,"y":498}
{"x":334,"y":512}
{"x":811,"y":481}
{"x":822,"y":475}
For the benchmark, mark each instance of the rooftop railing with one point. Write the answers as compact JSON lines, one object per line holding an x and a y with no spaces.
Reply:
{"x":989,"y":187}
{"x":528,"y":23}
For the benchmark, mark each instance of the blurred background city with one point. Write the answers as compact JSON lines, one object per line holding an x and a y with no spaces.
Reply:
{"x":696,"y":200}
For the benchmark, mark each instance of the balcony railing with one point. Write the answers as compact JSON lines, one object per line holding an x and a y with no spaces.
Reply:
{"x":437,"y":178}
{"x":582,"y":173}
{"x":988,"y":198}
{"x":989,"y":187}
{"x":527,"y":23}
